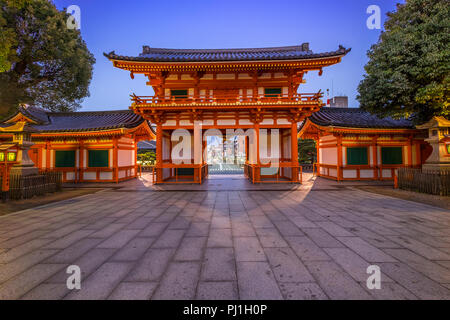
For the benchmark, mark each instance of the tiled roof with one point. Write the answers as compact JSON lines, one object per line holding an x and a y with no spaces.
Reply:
{"x":356,"y":118}
{"x":81,"y":121}
{"x":206,"y":55}
{"x":147,"y":144}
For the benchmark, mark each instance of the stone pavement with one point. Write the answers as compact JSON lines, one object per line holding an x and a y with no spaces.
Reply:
{"x":312,"y":242}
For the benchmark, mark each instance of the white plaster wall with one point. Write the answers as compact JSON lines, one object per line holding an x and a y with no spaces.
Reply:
{"x":267,"y":122}
{"x":106,"y":175}
{"x":387,"y":173}
{"x":125,"y":158}
{"x":70,"y":175}
{"x":90,"y":176}
{"x":244,"y":76}
{"x":170,"y":123}
{"x":228,"y":122}
{"x":328,"y":156}
{"x":349,"y":173}
{"x":185,"y":122}
{"x":225,"y":76}
{"x":366,"y":173}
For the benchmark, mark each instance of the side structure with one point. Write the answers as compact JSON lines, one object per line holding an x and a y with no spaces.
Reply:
{"x":353,"y":144}
{"x":85,"y":146}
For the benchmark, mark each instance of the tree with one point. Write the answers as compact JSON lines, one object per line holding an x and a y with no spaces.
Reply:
{"x":147,"y":158}
{"x":307,"y":152}
{"x":408,"y":71}
{"x":42,"y":61}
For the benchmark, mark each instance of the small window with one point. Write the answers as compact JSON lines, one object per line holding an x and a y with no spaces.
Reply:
{"x":98,"y":158}
{"x":391,"y":155}
{"x":2,"y":156}
{"x":179,"y":94}
{"x":357,"y":156}
{"x":448,"y":148}
{"x":12,"y":156}
{"x":65,"y":159}
{"x":272,"y":92}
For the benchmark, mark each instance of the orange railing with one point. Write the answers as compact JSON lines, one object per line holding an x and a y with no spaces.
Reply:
{"x":253,"y":173}
{"x":331,"y":171}
{"x":200,"y":173}
{"x":299,"y":98}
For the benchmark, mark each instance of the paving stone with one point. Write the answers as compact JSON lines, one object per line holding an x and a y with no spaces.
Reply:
{"x":286,"y":266}
{"x":139,"y":223}
{"x":219,"y":265}
{"x":16,"y":287}
{"x":198,"y":229}
{"x":219,"y":238}
{"x":307,"y":250}
{"x":7,"y":271}
{"x":334,"y":229}
{"x":169,"y":239}
{"x":119,"y":239}
{"x":366,"y":250}
{"x":74,"y":251}
{"x":287,"y":228}
{"x":419,"y":263}
{"x":21,"y":250}
{"x":257,"y":282}
{"x":133,"y":250}
{"x":191,"y":249}
{"x":88,"y":263}
{"x":47,"y":291}
{"x":420,"y":285}
{"x":302,"y":291}
{"x":152,"y":266}
{"x":248,"y":249}
{"x":322,"y":238}
{"x":391,"y":291}
{"x":220,"y":222}
{"x":154,"y":229}
{"x":108,"y":231}
{"x":224,"y":290}
{"x":336,"y":283}
{"x":179,"y":282}
{"x":352,"y":263}
{"x":133,"y":291}
{"x":102,"y":282}
{"x":242,"y":229}
{"x":420,"y":248}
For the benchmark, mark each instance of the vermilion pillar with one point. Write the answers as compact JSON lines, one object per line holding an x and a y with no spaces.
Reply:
{"x":294,"y":151}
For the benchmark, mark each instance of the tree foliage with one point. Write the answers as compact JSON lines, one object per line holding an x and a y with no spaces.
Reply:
{"x":147,"y":158}
{"x":307,"y":152}
{"x":408,"y":71}
{"x":42,"y":61}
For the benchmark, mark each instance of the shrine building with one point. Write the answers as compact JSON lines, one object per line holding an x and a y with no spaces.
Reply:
{"x":256,"y":90}
{"x":353,"y":144}
{"x":85,"y":146}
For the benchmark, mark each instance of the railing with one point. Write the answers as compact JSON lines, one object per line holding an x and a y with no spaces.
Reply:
{"x":26,"y":187}
{"x":378,"y":171}
{"x":431,"y":182}
{"x":80,"y":173}
{"x":300,"y":98}
{"x":200,"y":173}
{"x":253,"y":173}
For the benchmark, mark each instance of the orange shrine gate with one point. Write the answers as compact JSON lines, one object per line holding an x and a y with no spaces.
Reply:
{"x":254,"y":91}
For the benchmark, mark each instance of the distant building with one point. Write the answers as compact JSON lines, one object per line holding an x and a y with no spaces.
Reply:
{"x":339,"y":102}
{"x":147,"y":145}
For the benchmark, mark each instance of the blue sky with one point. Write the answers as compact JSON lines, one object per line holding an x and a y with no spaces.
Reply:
{"x":125,"y":26}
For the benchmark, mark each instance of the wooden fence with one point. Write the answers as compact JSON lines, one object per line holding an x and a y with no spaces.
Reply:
{"x":431,"y":182}
{"x":26,"y":187}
